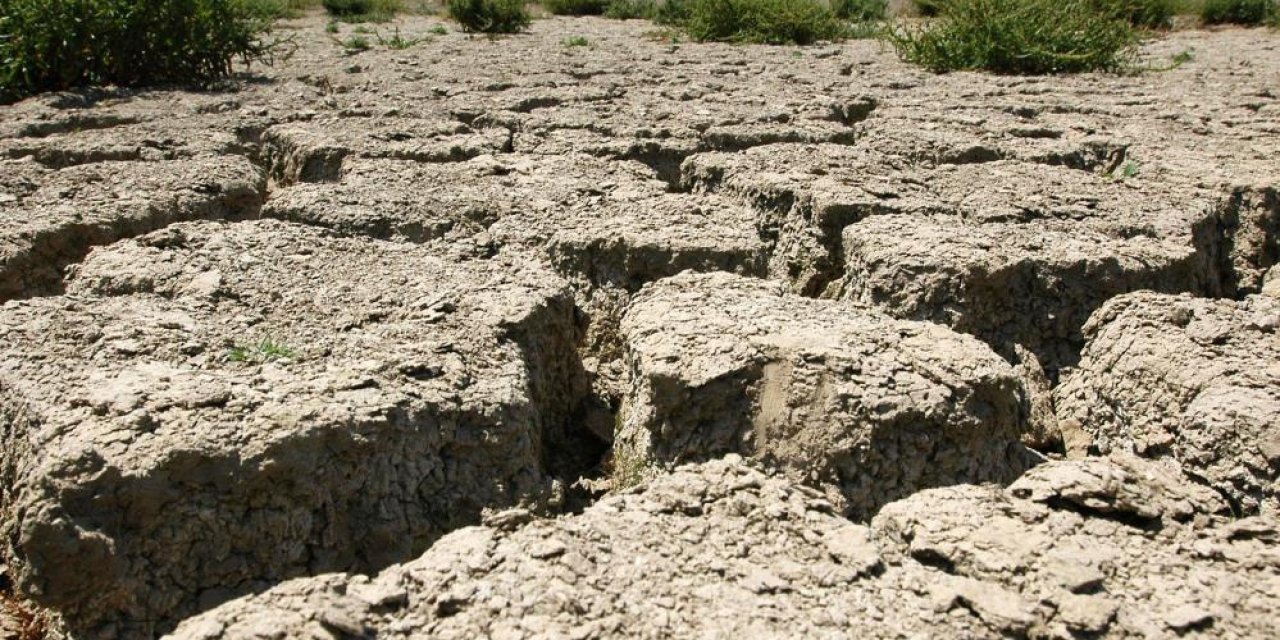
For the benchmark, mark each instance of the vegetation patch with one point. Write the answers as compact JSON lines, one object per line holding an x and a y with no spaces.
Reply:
{"x":1022,"y":37}
{"x":363,"y":10}
{"x":52,"y":46}
{"x":1245,"y":12}
{"x":754,"y":21}
{"x":576,"y":7}
{"x":860,"y":10}
{"x":489,"y":16}
{"x":265,"y":350}
{"x":1148,"y":14}
{"x":277,"y":9}
{"x":632,"y":10}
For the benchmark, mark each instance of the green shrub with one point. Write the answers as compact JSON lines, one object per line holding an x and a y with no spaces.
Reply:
{"x":673,"y":13}
{"x":1149,"y":14}
{"x":54,"y":45}
{"x":576,"y":7}
{"x":490,"y":16}
{"x":363,"y":10}
{"x":759,"y":21}
{"x":860,"y":10}
{"x":1020,"y":36}
{"x":927,"y":8}
{"x":1239,"y":11}
{"x":277,"y":9}
{"x":632,"y":10}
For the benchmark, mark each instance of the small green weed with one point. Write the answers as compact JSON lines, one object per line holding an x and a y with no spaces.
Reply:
{"x":1127,"y":171}
{"x":490,"y":16}
{"x":265,"y":350}
{"x":331,"y":27}
{"x":1020,"y":36}
{"x":362,"y":30}
{"x":440,"y":30}
{"x":397,"y":42}
{"x":356,"y":44}
{"x":576,"y":41}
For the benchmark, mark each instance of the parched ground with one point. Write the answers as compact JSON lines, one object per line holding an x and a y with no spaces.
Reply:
{"x":502,"y":337}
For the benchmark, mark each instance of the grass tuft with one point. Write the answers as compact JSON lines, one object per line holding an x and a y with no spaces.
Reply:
{"x":265,"y":350}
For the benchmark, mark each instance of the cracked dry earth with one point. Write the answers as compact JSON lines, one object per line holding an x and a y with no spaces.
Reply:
{"x":503,"y":338}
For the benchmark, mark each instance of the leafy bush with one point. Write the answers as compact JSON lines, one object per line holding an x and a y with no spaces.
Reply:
{"x":1149,"y":14}
{"x":576,"y":7}
{"x":632,"y":10}
{"x":673,"y":13}
{"x":54,"y":45}
{"x":758,"y":21}
{"x":363,"y":10}
{"x":1239,"y":11}
{"x":490,"y":16}
{"x":1021,"y":36}
{"x":860,"y":10}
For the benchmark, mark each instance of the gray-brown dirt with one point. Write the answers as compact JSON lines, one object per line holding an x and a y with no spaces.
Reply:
{"x":408,"y":343}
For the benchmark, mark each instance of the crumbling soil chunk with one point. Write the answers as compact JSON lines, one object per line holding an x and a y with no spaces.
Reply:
{"x":215,"y":407}
{"x":1192,"y":380}
{"x":839,"y":394}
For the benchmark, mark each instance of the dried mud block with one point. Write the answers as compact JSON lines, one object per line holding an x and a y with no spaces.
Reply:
{"x":418,"y":202}
{"x":215,"y":407}
{"x":1188,"y":379}
{"x":609,"y":252}
{"x":68,"y":212}
{"x":151,"y":140}
{"x":1050,"y":557}
{"x":316,"y":151}
{"x":1010,"y":284}
{"x":929,"y":133}
{"x":871,"y":407}
{"x":1118,"y":547}
{"x":700,"y":553}
{"x":807,"y":195}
